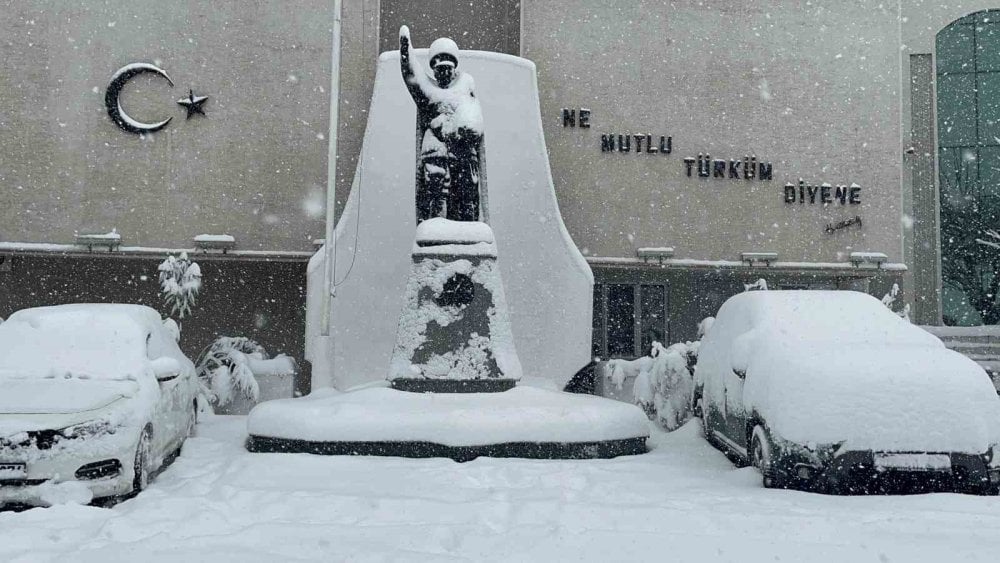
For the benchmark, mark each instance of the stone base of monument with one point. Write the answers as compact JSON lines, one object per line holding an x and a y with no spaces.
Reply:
{"x":493,"y":385}
{"x":526,"y":422}
{"x":454,"y":333}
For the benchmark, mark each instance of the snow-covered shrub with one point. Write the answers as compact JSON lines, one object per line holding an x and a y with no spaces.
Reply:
{"x":229,"y":366}
{"x":889,"y":299}
{"x":664,"y":380}
{"x":180,"y":282}
{"x":664,"y":389}
{"x":759,"y":285}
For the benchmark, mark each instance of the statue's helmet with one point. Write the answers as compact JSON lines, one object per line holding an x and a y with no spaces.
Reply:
{"x":443,"y":50}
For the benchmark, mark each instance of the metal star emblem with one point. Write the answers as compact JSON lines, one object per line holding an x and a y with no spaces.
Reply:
{"x":193,"y":103}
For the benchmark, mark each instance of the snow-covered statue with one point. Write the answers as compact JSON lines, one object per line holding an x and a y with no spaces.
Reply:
{"x":450,"y":174}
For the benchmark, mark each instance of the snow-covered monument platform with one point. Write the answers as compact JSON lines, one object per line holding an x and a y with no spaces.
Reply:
{"x":525,"y":422}
{"x":440,"y":319}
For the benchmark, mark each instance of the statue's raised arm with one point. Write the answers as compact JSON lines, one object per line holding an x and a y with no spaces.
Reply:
{"x":411,"y":73}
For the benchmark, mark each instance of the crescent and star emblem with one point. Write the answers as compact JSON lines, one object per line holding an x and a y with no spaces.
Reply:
{"x":193,"y":104}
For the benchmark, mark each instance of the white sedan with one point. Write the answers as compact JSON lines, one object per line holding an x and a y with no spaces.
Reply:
{"x":93,"y":398}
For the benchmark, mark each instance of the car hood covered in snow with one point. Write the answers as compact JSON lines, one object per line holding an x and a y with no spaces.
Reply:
{"x":60,"y":396}
{"x":873,"y":397}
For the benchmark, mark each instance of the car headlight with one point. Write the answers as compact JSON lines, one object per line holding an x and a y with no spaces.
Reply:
{"x":88,"y":429}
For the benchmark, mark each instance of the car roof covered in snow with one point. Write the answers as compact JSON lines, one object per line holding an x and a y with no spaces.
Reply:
{"x":79,"y":340}
{"x":846,"y":316}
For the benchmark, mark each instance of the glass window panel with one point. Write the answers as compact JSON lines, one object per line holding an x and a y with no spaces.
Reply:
{"x":958,"y":171}
{"x":653,"y":316}
{"x":989,"y":108}
{"x":956,"y":110}
{"x":597,"y":340}
{"x":621,"y":320}
{"x":986,"y":16}
{"x":969,"y":170}
{"x":989,"y":172}
{"x":988,"y":46}
{"x":954,"y":49}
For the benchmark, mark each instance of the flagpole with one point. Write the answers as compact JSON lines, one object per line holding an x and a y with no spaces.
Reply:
{"x":331,"y":171}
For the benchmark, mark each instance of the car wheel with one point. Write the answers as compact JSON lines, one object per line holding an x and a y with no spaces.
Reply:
{"x":143,"y":460}
{"x":762,"y":457}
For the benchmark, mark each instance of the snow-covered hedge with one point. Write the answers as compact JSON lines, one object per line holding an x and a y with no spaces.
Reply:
{"x":229,"y":367}
{"x":664,"y":381}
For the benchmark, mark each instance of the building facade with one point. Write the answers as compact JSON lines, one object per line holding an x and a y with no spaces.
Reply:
{"x":696,"y":148}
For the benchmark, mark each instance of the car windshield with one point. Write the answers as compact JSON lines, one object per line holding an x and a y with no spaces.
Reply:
{"x":74,"y":343}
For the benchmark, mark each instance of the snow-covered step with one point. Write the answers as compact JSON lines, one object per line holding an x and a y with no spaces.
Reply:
{"x":975,"y":350}
{"x":979,"y":343}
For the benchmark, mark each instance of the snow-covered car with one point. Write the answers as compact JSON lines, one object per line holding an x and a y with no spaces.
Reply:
{"x":830,"y":390}
{"x":93,"y":398}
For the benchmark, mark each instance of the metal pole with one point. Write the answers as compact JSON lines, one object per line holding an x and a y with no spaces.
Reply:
{"x":331,"y":170}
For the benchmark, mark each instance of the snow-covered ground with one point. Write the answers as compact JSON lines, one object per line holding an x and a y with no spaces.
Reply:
{"x":683,"y":502}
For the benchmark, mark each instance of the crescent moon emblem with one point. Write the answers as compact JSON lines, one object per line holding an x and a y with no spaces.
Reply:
{"x":114,"y":105}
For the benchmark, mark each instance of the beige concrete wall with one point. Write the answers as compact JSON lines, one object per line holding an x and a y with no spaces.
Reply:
{"x":359,"y":52}
{"x":812,"y":88}
{"x":254,"y":168}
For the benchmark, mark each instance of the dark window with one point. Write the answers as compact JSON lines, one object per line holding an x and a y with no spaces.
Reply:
{"x":653,"y":319}
{"x":621,"y":320}
{"x":628,"y":318}
{"x":597,"y":346}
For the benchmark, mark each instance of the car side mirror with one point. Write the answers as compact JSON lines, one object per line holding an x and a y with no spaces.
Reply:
{"x":740,"y":373}
{"x":166,"y":368}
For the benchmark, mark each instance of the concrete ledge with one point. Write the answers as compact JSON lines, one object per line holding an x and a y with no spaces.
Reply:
{"x":423,"y":385}
{"x":143,"y":252}
{"x":531,"y":450}
{"x":777,"y":266}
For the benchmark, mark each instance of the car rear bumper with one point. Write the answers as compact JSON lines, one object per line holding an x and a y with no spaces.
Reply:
{"x":858,"y":472}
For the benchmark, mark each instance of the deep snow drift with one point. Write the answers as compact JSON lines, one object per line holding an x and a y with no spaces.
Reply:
{"x":683,"y":501}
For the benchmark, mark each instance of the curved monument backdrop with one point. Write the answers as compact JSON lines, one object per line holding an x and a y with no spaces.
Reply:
{"x":548,"y":283}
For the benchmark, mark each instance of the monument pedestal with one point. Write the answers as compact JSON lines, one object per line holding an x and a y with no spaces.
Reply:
{"x":454,"y":332}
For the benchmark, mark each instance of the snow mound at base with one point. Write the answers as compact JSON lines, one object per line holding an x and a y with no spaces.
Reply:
{"x":376,"y":414}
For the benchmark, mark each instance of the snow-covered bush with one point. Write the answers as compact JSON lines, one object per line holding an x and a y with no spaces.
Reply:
{"x":180,"y":282}
{"x":664,"y":381}
{"x":889,"y":299}
{"x":759,"y":285}
{"x":229,"y":366}
{"x":664,"y":389}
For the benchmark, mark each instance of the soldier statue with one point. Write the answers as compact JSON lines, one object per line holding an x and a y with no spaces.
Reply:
{"x":450,"y":177}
